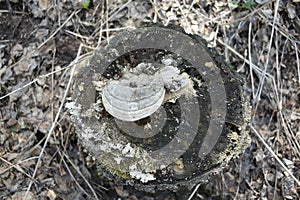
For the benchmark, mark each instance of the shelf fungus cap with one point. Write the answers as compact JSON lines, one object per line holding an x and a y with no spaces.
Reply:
{"x":138,"y":95}
{"x":134,"y":97}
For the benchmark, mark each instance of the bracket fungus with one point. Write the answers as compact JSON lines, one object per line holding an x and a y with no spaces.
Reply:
{"x":159,"y":110}
{"x":138,"y":94}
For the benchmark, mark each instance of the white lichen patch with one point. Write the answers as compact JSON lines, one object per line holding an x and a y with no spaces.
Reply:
{"x":128,"y":151}
{"x":118,"y":160}
{"x":143,"y":177}
{"x":73,"y":108}
{"x":236,"y":144}
{"x":233,"y":137}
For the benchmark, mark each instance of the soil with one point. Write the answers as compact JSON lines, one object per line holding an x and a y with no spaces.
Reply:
{"x":40,"y":40}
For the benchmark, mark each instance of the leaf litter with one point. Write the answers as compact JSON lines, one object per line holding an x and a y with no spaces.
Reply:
{"x":39,"y":40}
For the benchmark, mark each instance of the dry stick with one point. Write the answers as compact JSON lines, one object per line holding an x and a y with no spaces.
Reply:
{"x":76,"y":169}
{"x":52,"y":84}
{"x":118,"y":29}
{"x":76,"y":182}
{"x":274,"y":155}
{"x":188,"y":12}
{"x":298,"y":62}
{"x":42,"y":76}
{"x":225,"y":38}
{"x":154,"y":3}
{"x":54,"y":123}
{"x":107,"y":25}
{"x":279,"y":97}
{"x":288,"y":132}
{"x":194,"y":192}
{"x":255,"y":67}
{"x":81,"y":37}
{"x":101,"y":28}
{"x":111,"y":29}
{"x":26,"y":85}
{"x":262,"y":81}
{"x":97,"y":8}
{"x":16,"y":166}
{"x":281,"y":30}
{"x":59,"y":28}
{"x":112,"y":15}
{"x":250,"y":59}
{"x":15,"y":12}
{"x":21,"y":88}
{"x":77,"y":35}
{"x":246,"y":16}
{"x":239,"y":182}
{"x":258,"y":135}
{"x":181,"y":9}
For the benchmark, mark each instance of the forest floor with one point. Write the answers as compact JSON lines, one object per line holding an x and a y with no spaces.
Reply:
{"x":40,"y":39}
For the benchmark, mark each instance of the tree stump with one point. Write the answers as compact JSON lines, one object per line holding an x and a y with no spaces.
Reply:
{"x":187,"y":137}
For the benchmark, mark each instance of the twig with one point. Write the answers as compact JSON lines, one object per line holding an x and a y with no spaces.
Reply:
{"x":194,"y":192}
{"x":274,"y":155}
{"x":15,"y":12}
{"x":262,"y":81}
{"x":59,"y":28}
{"x":43,"y":76}
{"x":16,"y":166}
{"x":298,"y":62}
{"x":189,"y":10}
{"x":255,"y":67}
{"x":111,"y":16}
{"x":89,"y":185}
{"x":246,"y":16}
{"x":250,"y":59}
{"x":55,"y":121}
